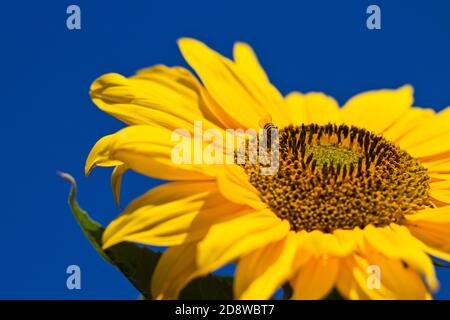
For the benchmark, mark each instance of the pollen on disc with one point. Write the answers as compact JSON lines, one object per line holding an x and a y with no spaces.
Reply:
{"x":339,"y":177}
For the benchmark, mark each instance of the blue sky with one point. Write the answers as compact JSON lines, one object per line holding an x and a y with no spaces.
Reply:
{"x":50,"y":124}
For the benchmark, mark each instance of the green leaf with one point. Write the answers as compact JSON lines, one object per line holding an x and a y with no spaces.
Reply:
{"x":91,"y":229}
{"x":334,"y":295}
{"x":287,"y":291}
{"x":209,"y":288}
{"x":135,"y":262}
{"x":138,"y":263}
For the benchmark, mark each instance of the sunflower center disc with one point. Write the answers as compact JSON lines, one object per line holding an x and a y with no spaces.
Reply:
{"x":339,"y":177}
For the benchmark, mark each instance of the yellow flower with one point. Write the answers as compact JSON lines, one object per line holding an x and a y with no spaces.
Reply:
{"x":362,"y":186}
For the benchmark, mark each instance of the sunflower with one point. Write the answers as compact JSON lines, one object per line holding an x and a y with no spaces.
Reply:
{"x":358,"y":187}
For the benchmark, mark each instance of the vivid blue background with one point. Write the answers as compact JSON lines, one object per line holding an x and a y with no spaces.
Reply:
{"x":49,"y":123}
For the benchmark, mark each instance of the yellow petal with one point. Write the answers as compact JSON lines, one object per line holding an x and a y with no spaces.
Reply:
{"x":295,"y":108}
{"x":348,"y":280}
{"x":261,"y":272}
{"x":396,"y":242}
{"x":436,"y":177}
{"x":116,"y":181}
{"x":180,"y":264}
{"x":442,"y":196}
{"x":226,"y":241}
{"x":440,"y":185}
{"x":377,"y":110}
{"x":432,"y":227}
{"x":246,"y":60}
{"x":439,"y":167}
{"x":440,"y":191}
{"x":147,"y":150}
{"x":175,"y":269}
{"x":430,"y":141}
{"x":407,"y":123}
{"x":239,"y":96}
{"x":339,"y":243}
{"x":397,"y":280}
{"x":373,"y":276}
{"x":171,"y":214}
{"x":315,"y":279}
{"x":157,"y":96}
{"x":313,"y":107}
{"x":234,"y":185}
{"x":100,"y":155}
{"x":436,"y":149}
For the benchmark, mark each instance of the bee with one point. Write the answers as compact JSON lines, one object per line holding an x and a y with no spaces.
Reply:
{"x":266,"y":124}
